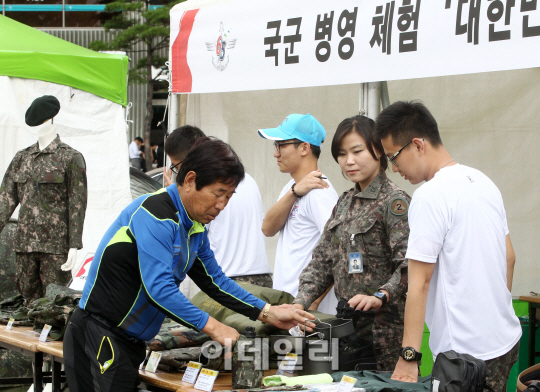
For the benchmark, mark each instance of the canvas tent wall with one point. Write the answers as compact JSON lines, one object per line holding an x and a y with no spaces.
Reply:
{"x":487,"y":120}
{"x":87,"y":121}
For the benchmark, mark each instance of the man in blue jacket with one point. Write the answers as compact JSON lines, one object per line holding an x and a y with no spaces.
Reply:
{"x":146,"y":253}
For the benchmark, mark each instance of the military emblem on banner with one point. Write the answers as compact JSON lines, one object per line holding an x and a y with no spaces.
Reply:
{"x":220,"y":58}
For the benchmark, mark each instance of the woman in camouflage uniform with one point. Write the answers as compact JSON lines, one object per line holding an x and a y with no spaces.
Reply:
{"x":362,"y":250}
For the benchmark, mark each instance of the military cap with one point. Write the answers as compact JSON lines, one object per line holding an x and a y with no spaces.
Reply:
{"x":42,"y":109}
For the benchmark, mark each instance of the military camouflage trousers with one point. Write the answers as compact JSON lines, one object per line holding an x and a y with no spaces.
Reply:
{"x":498,"y":369}
{"x":263,"y":280}
{"x":35,"y":271}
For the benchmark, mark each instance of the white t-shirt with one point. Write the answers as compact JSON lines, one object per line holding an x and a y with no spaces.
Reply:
{"x":457,"y":220}
{"x":134,"y":151}
{"x":236,"y":236}
{"x":298,"y":238}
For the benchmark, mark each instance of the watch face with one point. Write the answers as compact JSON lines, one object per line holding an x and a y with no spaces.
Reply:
{"x":408,"y":354}
{"x":378,"y":294}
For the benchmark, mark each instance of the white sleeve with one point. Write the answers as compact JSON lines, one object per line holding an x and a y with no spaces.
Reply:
{"x":321,"y":203}
{"x":428,"y":228}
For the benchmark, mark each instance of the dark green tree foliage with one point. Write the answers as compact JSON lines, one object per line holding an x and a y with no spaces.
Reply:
{"x":139,"y":29}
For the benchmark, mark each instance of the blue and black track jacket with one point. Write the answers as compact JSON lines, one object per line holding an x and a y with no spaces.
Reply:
{"x":142,"y":259}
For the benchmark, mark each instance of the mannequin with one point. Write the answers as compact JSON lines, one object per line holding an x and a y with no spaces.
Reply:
{"x":46,"y":133}
{"x":48,"y":180}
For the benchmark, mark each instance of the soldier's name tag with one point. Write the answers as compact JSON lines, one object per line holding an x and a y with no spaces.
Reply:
{"x":192,"y":371}
{"x":287,"y":364}
{"x":206,"y":380}
{"x":355,"y":263}
{"x":153,"y":362}
{"x":10,"y":323}
{"x":44,"y":333}
{"x":346,"y":384}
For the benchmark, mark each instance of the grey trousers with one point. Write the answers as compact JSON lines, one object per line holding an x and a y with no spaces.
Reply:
{"x":136,"y":163}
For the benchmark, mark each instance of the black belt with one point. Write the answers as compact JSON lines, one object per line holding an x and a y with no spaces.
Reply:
{"x":117,"y":331}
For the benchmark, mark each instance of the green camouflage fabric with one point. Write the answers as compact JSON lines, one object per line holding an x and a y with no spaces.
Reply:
{"x":13,"y":307}
{"x":51,"y":187}
{"x":8,"y":286}
{"x":55,"y":313}
{"x":376,"y":218}
{"x":35,"y":271}
{"x":498,"y":369}
{"x":263,"y":280}
{"x":174,"y":335}
{"x":177,"y":360}
{"x":247,"y":373}
{"x":220,"y":312}
{"x":53,"y":290}
{"x":13,"y":364}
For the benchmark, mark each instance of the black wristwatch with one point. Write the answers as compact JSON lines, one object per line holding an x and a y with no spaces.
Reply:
{"x":410,"y":354}
{"x":382,"y":296}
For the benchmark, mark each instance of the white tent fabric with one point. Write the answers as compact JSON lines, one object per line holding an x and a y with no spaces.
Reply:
{"x":92,"y":125}
{"x":488,"y":121}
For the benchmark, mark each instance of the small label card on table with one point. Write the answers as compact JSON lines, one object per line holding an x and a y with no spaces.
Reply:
{"x":153,"y":362}
{"x":10,"y":323}
{"x":191,"y":373}
{"x":206,"y":380}
{"x":346,"y":384}
{"x":44,"y":333}
{"x":287,"y":364}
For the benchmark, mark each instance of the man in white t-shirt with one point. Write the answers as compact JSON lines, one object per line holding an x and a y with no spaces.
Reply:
{"x":135,"y":152}
{"x":304,"y":205}
{"x":461,"y":260}
{"x":235,"y":235}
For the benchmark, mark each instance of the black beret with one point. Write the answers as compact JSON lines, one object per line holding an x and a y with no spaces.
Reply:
{"x":42,"y":109}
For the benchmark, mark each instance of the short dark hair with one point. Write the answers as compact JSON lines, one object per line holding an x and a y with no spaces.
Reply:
{"x":180,"y":141}
{"x":139,"y":139}
{"x":406,"y":120}
{"x":316,"y":151}
{"x":365,"y":127}
{"x":213,"y":161}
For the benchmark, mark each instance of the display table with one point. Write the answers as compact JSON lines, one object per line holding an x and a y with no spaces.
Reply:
{"x":22,"y":341}
{"x":534,"y":303}
{"x":173,"y":381}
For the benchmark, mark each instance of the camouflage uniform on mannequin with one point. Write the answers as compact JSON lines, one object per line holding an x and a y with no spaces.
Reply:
{"x":48,"y":179}
{"x":369,"y":228}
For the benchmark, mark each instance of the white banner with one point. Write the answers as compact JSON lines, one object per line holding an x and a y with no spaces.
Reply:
{"x":270,"y":44}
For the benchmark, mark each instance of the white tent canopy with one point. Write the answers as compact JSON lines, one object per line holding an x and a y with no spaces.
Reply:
{"x":487,"y":120}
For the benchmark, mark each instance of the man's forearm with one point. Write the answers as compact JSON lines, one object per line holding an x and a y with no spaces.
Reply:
{"x":277,"y":216}
{"x":415,"y":306}
{"x":510,"y":263}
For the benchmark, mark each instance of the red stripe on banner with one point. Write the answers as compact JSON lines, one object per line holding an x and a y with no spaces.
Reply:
{"x":181,"y":74}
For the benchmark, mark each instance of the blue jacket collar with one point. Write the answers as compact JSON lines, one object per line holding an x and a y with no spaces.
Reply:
{"x":193,"y":227}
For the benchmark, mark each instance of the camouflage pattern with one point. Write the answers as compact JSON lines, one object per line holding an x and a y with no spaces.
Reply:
{"x":55,"y":313}
{"x":174,"y":335}
{"x":376,"y":218}
{"x":51,"y":187}
{"x":35,"y":271}
{"x":8,"y":285}
{"x":247,"y":372}
{"x":13,"y":307}
{"x":262,"y":280}
{"x":498,"y":369}
{"x":13,"y":364}
{"x":54,"y":290}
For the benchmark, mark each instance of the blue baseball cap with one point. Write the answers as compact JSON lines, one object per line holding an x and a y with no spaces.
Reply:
{"x":303,"y":127}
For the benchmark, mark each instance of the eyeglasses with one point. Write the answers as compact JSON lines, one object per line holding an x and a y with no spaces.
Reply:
{"x":277,"y":146}
{"x":392,"y":159}
{"x":176,"y":168}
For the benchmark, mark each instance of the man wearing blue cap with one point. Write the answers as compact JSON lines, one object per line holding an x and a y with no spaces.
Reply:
{"x":304,"y":205}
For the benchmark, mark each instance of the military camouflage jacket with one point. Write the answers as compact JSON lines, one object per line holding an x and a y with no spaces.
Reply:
{"x":50,"y":185}
{"x":376,"y":220}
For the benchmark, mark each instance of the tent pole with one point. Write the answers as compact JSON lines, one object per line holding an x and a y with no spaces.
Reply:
{"x":373,"y":101}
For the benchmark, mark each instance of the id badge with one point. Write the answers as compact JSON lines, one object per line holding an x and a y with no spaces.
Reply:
{"x":355,"y":263}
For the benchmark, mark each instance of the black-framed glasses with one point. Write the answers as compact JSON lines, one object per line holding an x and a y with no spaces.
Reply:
{"x":277,"y":146}
{"x":393,"y":157}
{"x":175,"y":168}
